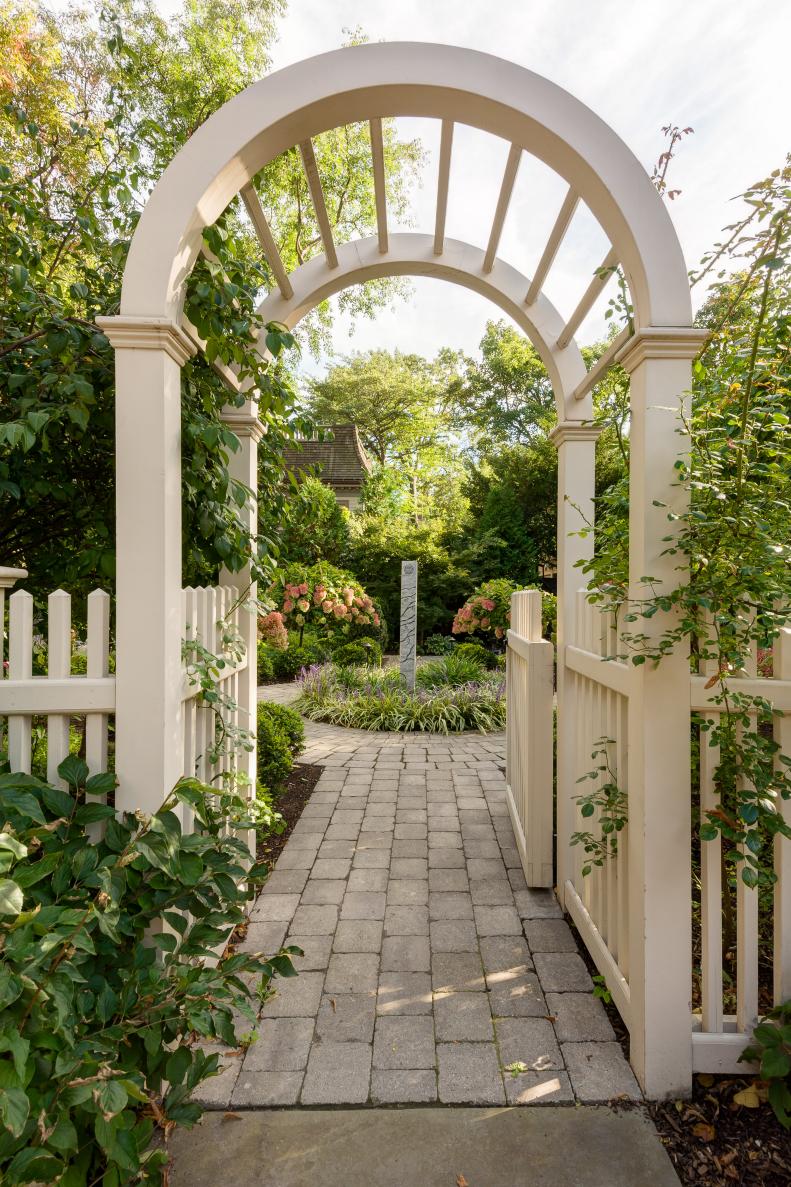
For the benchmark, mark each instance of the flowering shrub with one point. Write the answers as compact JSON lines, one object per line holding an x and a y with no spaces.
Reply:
{"x":272,"y":630}
{"x":328,"y":600}
{"x":488,"y":610}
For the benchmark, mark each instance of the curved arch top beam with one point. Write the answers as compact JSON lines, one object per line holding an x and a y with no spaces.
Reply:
{"x":413,"y":255}
{"x":409,"y":79}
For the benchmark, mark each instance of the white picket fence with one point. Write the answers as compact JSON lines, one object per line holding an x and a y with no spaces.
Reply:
{"x":529,"y":669}
{"x":59,"y":697}
{"x":719,"y":1038}
{"x":85,"y":704}
{"x":208,"y":612}
{"x":599,"y":902}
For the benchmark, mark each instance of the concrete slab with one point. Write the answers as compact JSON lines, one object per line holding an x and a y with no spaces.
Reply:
{"x":427,"y":1147}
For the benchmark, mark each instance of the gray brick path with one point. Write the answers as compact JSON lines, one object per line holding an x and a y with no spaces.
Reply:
{"x":430,"y":969}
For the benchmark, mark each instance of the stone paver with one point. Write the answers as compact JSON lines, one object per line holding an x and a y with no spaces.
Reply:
{"x":430,"y":971}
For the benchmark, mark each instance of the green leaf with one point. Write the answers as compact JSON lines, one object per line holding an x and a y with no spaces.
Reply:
{"x":33,"y":1165}
{"x":64,"y":1136}
{"x":20,"y":1049}
{"x":12,"y":845}
{"x":14,"y":1110}
{"x":11,"y":898}
{"x":101,"y":784}
{"x":775,"y":1064}
{"x":90,"y":813}
{"x":111,"y":1098}
{"x":73,"y":770}
{"x":177,"y":1065}
{"x":58,"y":802}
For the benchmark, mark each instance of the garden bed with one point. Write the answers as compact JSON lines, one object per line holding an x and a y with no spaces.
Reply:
{"x":290,"y":804}
{"x":451,"y":695}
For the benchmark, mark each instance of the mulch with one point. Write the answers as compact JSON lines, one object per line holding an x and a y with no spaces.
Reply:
{"x":712,"y":1142}
{"x":290,"y":803}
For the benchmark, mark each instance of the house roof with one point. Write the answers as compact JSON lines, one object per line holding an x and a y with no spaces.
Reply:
{"x":339,"y":462}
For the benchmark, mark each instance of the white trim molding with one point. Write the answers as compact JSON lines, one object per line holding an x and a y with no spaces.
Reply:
{"x":661,"y":342}
{"x":148,"y":333}
{"x":574,"y":430}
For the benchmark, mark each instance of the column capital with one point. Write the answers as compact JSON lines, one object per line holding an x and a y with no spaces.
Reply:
{"x":661,"y":342}
{"x":148,"y":333}
{"x":574,"y":430}
{"x":9,"y":577}
{"x":243,"y":423}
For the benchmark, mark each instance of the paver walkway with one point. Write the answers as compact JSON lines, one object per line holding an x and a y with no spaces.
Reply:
{"x":431,"y":972}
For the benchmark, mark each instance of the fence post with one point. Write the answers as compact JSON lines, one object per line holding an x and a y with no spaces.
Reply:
{"x":8,"y":579}
{"x":529,"y":737}
{"x":575,"y":442}
{"x":149,"y":355}
{"x":660,"y":924}
{"x":243,"y":467}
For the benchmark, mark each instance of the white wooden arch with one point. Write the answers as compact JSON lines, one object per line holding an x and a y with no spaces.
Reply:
{"x":288,"y":108}
{"x":460,"y":263}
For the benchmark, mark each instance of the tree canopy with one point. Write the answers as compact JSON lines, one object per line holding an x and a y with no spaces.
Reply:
{"x":92,"y":108}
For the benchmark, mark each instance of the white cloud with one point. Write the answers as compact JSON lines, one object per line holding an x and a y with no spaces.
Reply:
{"x":638,"y":64}
{"x":641,"y":65}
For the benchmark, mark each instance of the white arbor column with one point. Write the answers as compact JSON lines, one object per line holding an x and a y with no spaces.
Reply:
{"x":149,"y":354}
{"x":660,"y":927}
{"x":243,"y":467}
{"x":576,"y":445}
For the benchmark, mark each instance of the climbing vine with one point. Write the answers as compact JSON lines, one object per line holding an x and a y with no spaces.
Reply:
{"x":731,"y":544}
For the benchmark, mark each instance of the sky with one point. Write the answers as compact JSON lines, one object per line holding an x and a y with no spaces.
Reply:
{"x":718,"y":67}
{"x":639,"y":64}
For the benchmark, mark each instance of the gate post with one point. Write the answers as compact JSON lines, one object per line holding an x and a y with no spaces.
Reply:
{"x":149,"y":355}
{"x":243,"y":467}
{"x":575,"y":442}
{"x":660,"y":923}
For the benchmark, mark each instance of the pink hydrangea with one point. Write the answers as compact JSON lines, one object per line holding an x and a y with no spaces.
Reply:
{"x":484,"y":624}
{"x":272,"y":628}
{"x":487,"y":603}
{"x":288,"y":606}
{"x":326,"y":605}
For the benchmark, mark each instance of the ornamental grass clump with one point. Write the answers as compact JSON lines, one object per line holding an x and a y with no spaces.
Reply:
{"x":109,"y":980}
{"x":361,"y":699}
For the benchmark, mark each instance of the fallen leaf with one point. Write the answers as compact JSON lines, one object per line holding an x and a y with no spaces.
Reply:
{"x":516,"y":1069}
{"x":706,"y":1133}
{"x":461,"y":1181}
{"x":231,"y":1117}
{"x":705,"y":1079}
{"x":551,"y":1018}
{"x":748,"y":1097}
{"x":334,"y":1004}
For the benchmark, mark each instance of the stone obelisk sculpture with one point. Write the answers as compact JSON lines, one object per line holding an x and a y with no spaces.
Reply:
{"x":408,"y":621}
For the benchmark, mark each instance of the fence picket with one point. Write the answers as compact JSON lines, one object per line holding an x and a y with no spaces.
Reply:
{"x":20,"y":667}
{"x":58,"y":668}
{"x":747,"y":930}
{"x":711,"y":882}
{"x":781,"y":670}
